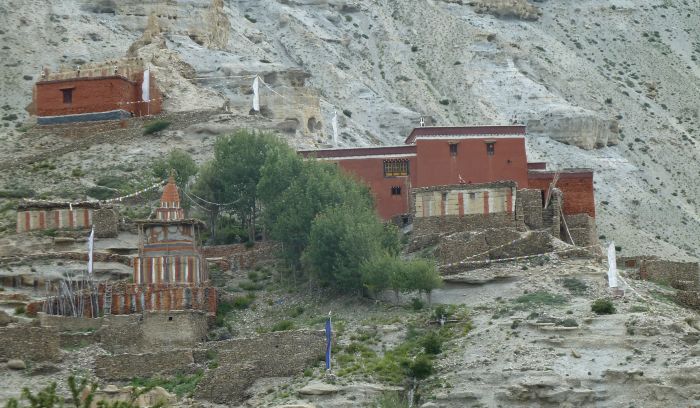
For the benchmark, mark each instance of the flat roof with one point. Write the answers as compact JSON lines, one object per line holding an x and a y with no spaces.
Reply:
{"x":564,"y":173}
{"x":441,"y":131}
{"x":358,"y":151}
{"x":93,"y":78}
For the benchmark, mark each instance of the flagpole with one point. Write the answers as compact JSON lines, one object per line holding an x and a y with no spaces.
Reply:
{"x":328,"y":342}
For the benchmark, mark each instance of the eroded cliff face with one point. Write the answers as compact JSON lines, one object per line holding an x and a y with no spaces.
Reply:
{"x":608,"y":86}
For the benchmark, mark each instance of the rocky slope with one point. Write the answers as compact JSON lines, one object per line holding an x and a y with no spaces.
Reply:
{"x":604,"y":85}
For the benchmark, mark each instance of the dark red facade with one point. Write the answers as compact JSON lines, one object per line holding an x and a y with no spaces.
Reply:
{"x":434,"y":156}
{"x":96,"y":94}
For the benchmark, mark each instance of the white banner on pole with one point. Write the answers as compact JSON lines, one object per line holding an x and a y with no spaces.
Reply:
{"x":91,"y":245}
{"x":256,"y":95}
{"x":612,"y":266}
{"x":146,"y":86}
{"x":334,"y":122}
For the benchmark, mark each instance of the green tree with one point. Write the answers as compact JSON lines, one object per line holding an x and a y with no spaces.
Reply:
{"x":178,"y":160}
{"x":340,"y":240}
{"x":316,"y":187}
{"x":423,"y":276}
{"x":233,"y":175}
{"x":377,"y":272}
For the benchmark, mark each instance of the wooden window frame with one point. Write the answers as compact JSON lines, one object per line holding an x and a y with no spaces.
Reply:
{"x":396,"y":168}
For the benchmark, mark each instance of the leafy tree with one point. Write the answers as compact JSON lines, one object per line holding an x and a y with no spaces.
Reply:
{"x":422,"y":275}
{"x":233,"y":175}
{"x":377,"y":272}
{"x":341,"y":238}
{"x":178,"y":160}
{"x":316,"y":187}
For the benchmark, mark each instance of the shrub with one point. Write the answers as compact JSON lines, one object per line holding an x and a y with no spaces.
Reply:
{"x":540,"y":298}
{"x":243,"y":302}
{"x":575,"y":286}
{"x":155,"y":126}
{"x":421,"y":367}
{"x":347,"y":113}
{"x":432,"y":343}
{"x":20,"y":309}
{"x":253,"y":276}
{"x":391,"y":400}
{"x":282,"y":325}
{"x":568,"y":323}
{"x":100,"y":193}
{"x":603,"y":306}
{"x":417,"y":304}
{"x":250,"y":286}
{"x":444,"y":102}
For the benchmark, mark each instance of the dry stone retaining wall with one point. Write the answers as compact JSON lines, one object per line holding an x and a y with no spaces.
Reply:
{"x":679,"y":275}
{"x":128,"y":366}
{"x":242,"y":361}
{"x":29,"y":343}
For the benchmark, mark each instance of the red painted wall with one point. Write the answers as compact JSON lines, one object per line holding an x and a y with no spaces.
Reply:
{"x":577,"y":188}
{"x":436,"y":166}
{"x":94,"y":94}
{"x":371,"y":171}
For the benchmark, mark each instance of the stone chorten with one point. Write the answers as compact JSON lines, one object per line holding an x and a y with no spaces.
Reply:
{"x":169,"y":251}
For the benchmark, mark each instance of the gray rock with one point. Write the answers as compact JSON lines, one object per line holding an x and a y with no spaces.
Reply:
{"x":16,"y":364}
{"x":319,"y":388}
{"x":6,"y":319}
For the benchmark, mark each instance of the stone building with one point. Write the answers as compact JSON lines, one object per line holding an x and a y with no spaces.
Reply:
{"x":169,"y":250}
{"x":109,"y":90}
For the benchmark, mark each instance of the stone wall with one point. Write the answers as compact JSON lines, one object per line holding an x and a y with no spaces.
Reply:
{"x":241,"y":257}
{"x":679,"y":275}
{"x":69,"y":324}
{"x":490,"y":246}
{"x":153,"y":331}
{"x":106,"y":222}
{"x":128,"y":366}
{"x":29,"y":343}
{"x":456,"y":223}
{"x":242,"y":361}
{"x":532,"y":208}
{"x":582,"y":229}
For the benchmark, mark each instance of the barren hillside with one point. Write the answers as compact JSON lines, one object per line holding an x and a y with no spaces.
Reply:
{"x":607,"y":85}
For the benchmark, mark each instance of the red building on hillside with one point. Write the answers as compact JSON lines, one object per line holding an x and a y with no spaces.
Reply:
{"x":438,"y":156}
{"x":106,"y":91}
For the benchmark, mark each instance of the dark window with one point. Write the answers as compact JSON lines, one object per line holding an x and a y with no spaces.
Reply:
{"x":396,"y":190}
{"x":170,"y":318}
{"x":67,"y":96}
{"x":395,"y":168}
{"x":453,"y":149}
{"x":490,"y":148}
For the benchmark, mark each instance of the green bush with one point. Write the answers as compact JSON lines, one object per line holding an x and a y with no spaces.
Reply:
{"x":282,"y":325}
{"x":432,"y":343}
{"x":155,"y":126}
{"x":603,"y":306}
{"x":178,"y":160}
{"x":540,"y":298}
{"x":250,"y":286}
{"x":243,"y":302}
{"x":20,"y":309}
{"x":417,"y":304}
{"x":100,"y":193}
{"x":391,"y":400}
{"x":575,"y":286}
{"x":181,"y":385}
{"x":421,"y":367}
{"x":567,"y":323}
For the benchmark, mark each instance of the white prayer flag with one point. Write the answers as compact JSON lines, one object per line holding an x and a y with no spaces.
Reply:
{"x":334,"y":122}
{"x":256,"y":96}
{"x":612,"y":266}
{"x":91,"y":244}
{"x":146,"y":86}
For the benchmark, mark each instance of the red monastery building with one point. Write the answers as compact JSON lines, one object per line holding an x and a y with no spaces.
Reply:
{"x":442,"y":156}
{"x":104,"y":91}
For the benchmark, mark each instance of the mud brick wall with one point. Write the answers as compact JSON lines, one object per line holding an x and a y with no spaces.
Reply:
{"x":146,"y":365}
{"x":634,"y":261}
{"x":242,"y":361}
{"x":29,"y":343}
{"x":241,"y":257}
{"x":582,"y":229}
{"x":576,"y":186}
{"x":679,"y":275}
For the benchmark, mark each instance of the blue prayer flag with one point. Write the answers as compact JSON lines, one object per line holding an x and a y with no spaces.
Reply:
{"x":328,"y":343}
